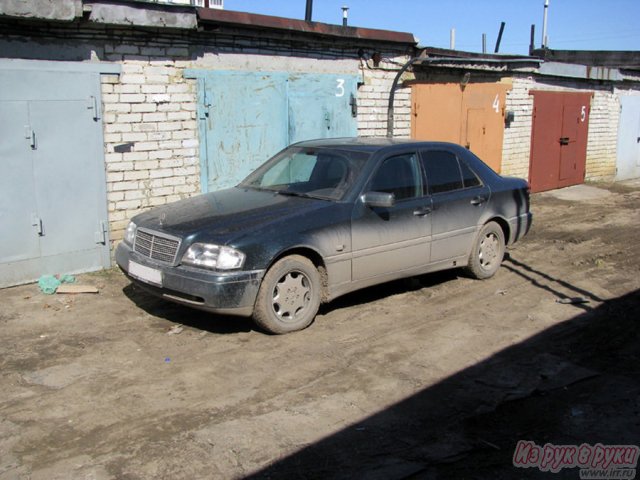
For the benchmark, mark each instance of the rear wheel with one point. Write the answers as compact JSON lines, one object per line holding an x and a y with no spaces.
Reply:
{"x":289,"y":296}
{"x":488,"y":251}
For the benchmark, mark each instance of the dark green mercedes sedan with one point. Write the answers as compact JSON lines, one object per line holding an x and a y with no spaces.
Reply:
{"x":323,"y":218}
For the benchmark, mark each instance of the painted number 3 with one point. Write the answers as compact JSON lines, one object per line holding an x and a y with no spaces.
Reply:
{"x":340,"y":87}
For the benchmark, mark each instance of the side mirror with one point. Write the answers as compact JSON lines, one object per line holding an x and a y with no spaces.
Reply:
{"x":379,"y":199}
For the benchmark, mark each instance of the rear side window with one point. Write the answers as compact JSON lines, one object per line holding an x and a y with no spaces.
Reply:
{"x":445,"y":173}
{"x":469,"y":178}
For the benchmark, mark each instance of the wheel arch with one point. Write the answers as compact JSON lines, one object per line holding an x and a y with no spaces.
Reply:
{"x":315,"y":258}
{"x":504,"y":225}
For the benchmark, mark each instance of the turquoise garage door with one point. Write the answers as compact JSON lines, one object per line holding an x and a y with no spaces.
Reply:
{"x":245,"y":117}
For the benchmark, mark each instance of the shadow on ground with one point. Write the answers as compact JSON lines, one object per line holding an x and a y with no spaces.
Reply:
{"x":222,"y":324}
{"x":573,"y":383}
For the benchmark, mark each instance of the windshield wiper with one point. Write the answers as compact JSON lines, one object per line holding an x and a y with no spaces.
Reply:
{"x":291,"y":193}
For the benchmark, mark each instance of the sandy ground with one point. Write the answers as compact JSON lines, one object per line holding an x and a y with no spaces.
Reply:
{"x":437,"y":377}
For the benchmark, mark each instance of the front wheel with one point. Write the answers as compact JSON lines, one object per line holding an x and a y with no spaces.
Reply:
{"x":289,"y":296}
{"x":488,"y":251}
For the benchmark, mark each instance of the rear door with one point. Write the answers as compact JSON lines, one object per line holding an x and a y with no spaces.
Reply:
{"x":459,"y":199}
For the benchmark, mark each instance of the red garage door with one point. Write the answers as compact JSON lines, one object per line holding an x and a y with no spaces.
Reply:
{"x":558,"y":139}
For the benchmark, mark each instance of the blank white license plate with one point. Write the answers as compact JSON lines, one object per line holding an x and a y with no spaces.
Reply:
{"x":146,"y":274}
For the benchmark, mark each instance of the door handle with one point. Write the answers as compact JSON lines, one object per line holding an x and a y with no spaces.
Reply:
{"x":478,"y":200}
{"x":564,"y":140}
{"x":421,"y":212}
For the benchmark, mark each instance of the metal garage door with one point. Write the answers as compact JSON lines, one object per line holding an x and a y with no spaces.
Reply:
{"x":558,"y":139}
{"x":628,"y":163}
{"x":245,"y":117}
{"x":471,"y":115}
{"x":53,"y":216}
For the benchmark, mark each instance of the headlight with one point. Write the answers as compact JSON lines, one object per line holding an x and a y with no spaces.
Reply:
{"x":130,"y":233}
{"x":213,"y":257}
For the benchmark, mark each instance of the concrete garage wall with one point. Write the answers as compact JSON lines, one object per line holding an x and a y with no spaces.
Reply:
{"x":603,"y":121}
{"x":150,"y":111}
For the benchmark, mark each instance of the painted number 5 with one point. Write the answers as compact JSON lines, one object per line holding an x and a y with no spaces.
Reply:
{"x":340,"y":87}
{"x":583,"y":113}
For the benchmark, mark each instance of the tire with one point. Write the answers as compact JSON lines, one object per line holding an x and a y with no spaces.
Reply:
{"x":487,"y":253}
{"x":289,"y":296}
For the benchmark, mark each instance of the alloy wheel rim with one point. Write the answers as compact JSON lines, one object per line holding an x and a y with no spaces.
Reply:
{"x":291,"y":296}
{"x":489,"y":251}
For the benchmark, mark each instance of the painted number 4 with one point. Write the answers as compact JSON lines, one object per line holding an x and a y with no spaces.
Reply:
{"x":340,"y":87}
{"x":496,"y":103}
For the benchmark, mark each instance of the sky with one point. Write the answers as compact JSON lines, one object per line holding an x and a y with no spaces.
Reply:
{"x":572,"y":24}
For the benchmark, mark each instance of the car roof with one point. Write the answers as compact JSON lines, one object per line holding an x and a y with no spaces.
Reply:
{"x":367,"y":144}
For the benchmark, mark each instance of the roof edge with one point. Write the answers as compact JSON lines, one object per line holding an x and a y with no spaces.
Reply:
{"x":254,"y":20}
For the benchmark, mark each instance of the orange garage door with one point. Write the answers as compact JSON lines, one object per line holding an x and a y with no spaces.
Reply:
{"x":472,"y":116}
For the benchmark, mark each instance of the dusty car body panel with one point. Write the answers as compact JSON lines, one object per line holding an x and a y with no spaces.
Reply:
{"x":352,"y":243}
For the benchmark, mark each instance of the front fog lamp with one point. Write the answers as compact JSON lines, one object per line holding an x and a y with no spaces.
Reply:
{"x":213,"y":257}
{"x":130,"y":233}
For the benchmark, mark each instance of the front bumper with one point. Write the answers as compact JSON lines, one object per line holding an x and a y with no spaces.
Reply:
{"x":232,"y":293}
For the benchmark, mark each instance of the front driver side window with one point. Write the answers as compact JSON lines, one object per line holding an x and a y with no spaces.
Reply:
{"x":399,"y":175}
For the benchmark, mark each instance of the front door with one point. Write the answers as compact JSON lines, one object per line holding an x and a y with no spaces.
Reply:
{"x":388,"y":240}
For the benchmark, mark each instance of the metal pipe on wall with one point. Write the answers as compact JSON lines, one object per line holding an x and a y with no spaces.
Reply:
{"x":392,"y":95}
{"x":497,"y":49}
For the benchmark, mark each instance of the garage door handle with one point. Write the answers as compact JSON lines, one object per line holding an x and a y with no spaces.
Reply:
{"x":564,"y":141}
{"x":421,"y":212}
{"x":478,"y":200}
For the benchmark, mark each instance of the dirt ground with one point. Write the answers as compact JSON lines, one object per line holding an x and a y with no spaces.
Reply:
{"x":437,"y":377}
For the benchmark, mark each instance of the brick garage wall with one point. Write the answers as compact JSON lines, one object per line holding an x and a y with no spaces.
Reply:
{"x":153,"y":107}
{"x":150,"y":112}
{"x":152,"y":148}
{"x":603,"y":126}
{"x":602,"y":146}
{"x":516,"y":148}
{"x":150,"y":109}
{"x":373,"y":100}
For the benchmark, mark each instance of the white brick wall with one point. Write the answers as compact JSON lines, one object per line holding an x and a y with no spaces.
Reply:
{"x":152,"y":107}
{"x":603,"y":136}
{"x":516,"y":148}
{"x":373,"y":101}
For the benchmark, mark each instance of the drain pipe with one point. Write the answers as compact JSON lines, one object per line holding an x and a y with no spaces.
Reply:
{"x":392,"y":94}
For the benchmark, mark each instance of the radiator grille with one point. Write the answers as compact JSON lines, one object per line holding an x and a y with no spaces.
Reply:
{"x":157,"y":246}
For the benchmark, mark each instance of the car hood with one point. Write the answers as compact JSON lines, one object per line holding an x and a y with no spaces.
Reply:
{"x":227,"y":214}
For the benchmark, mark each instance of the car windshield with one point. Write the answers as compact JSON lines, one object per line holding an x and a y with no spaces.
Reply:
{"x":309,"y":172}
